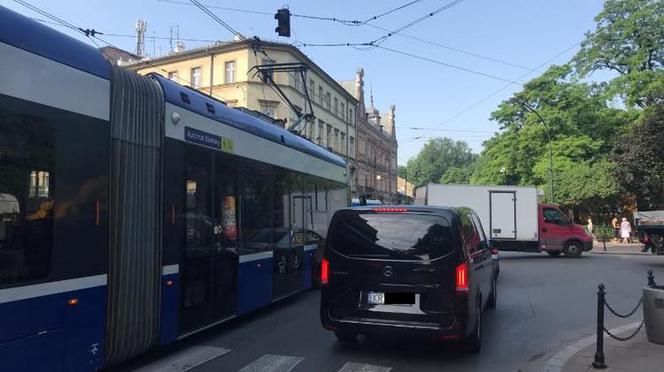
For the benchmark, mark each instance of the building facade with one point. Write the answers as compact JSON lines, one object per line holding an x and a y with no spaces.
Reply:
{"x":376,"y":174}
{"x":225,"y":71}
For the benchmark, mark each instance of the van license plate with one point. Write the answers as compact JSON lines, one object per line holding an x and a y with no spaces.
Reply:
{"x":376,"y":298}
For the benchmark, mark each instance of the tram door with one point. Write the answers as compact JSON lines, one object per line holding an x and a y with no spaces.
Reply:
{"x":288,"y":235}
{"x":209,"y":260}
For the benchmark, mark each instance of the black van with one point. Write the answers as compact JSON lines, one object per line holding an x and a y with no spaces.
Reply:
{"x":407,"y":269}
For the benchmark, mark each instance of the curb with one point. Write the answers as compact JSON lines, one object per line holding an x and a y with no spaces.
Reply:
{"x":623,"y":253}
{"x":558,"y":361}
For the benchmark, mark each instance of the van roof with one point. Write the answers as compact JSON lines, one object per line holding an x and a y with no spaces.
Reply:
{"x":437,"y":210}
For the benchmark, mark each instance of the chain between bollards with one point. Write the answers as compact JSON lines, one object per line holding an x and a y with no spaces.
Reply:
{"x":600,"y":362}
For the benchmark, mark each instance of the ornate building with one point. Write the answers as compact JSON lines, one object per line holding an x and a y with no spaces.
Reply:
{"x":376,"y":152}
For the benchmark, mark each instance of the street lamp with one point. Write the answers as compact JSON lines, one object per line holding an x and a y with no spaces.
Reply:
{"x":548,"y":136}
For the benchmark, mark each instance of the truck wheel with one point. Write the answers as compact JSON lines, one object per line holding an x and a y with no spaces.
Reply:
{"x":553,"y":253}
{"x":573,"y":249}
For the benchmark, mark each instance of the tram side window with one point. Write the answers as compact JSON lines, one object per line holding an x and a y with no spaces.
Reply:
{"x":26,"y":197}
{"x":256,"y":232}
{"x":226,"y":178}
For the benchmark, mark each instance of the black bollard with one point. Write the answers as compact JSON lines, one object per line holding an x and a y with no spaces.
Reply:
{"x":599,"y":354}
{"x":651,"y":279}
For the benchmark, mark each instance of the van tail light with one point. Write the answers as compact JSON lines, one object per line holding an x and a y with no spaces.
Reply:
{"x":324,"y":272}
{"x":462,"y":285}
{"x":390,"y":210}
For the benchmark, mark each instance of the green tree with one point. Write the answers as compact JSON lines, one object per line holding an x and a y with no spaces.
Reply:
{"x":629,"y":41}
{"x":640,"y":160}
{"x":437,"y":157}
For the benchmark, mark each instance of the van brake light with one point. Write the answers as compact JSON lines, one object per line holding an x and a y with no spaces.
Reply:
{"x":324,"y":272}
{"x":461,"y":276}
{"x":390,"y":210}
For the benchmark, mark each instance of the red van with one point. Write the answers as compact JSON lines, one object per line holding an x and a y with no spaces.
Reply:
{"x":557,"y":234}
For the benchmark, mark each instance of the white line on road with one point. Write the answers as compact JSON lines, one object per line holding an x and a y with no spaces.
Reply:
{"x":359,"y":367}
{"x":272,"y":363}
{"x":558,"y":361}
{"x":185,"y":359}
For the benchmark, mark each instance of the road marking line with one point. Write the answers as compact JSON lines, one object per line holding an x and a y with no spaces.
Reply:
{"x":359,"y":367}
{"x":185,"y":359}
{"x":558,"y":361}
{"x":272,"y":363}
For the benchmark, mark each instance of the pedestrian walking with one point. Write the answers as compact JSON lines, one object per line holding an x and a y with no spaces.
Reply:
{"x":616,"y":229}
{"x":625,"y":231}
{"x":590,"y":227}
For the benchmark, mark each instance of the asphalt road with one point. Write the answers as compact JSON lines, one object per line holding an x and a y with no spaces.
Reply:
{"x":544,"y":304}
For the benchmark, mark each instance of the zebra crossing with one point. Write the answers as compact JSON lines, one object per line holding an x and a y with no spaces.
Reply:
{"x":195,"y":356}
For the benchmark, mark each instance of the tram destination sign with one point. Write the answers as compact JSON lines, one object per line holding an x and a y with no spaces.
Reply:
{"x":208,"y":139}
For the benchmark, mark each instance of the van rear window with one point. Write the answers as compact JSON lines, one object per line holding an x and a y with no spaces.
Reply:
{"x":397,"y":236}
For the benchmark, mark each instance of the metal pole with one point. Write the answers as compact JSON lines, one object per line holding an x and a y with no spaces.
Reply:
{"x":552,"y":198}
{"x":651,"y":279}
{"x":599,"y":354}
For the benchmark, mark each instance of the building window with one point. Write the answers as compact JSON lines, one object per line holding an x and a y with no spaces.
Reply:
{"x":229,"y":72}
{"x":343,"y":143}
{"x":268,"y":110}
{"x":351,"y":119}
{"x":328,"y":98}
{"x":336,"y":106}
{"x":343,"y":111}
{"x":173,"y":75}
{"x":336,"y":140}
{"x":319,"y":139}
{"x":312,"y":85}
{"x":328,"y":136}
{"x":320,"y":95}
{"x":196,"y":77}
{"x":39,"y":181}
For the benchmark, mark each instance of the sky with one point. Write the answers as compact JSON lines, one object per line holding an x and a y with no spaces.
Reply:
{"x":513,"y":37}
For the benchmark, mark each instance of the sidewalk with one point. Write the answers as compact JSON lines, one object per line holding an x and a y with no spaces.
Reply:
{"x":637,"y":354}
{"x":618,"y":248}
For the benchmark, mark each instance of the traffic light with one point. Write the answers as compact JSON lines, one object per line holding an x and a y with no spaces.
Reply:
{"x":283,"y":22}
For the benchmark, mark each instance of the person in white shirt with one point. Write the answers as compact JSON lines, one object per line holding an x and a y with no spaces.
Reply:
{"x":625,"y":231}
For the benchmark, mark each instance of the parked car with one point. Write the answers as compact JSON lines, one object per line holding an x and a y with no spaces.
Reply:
{"x":419,"y":270}
{"x":650,"y":230}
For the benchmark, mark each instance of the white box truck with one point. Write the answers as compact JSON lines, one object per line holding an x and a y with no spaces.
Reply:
{"x":512,"y":217}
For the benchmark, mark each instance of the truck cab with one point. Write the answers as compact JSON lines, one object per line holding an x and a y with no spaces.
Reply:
{"x":560,"y":235}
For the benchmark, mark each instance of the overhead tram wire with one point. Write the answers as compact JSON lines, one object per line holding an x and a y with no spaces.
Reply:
{"x":367,"y":22}
{"x":497,"y":91}
{"x":347,"y":22}
{"x":133,"y":36}
{"x":440,"y":45}
{"x":491,"y":76}
{"x":232,"y":30}
{"x":449,"y":5}
{"x":50,"y":16}
{"x":217,"y":19}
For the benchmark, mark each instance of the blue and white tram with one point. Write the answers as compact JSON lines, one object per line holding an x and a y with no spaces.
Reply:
{"x":136,"y":211}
